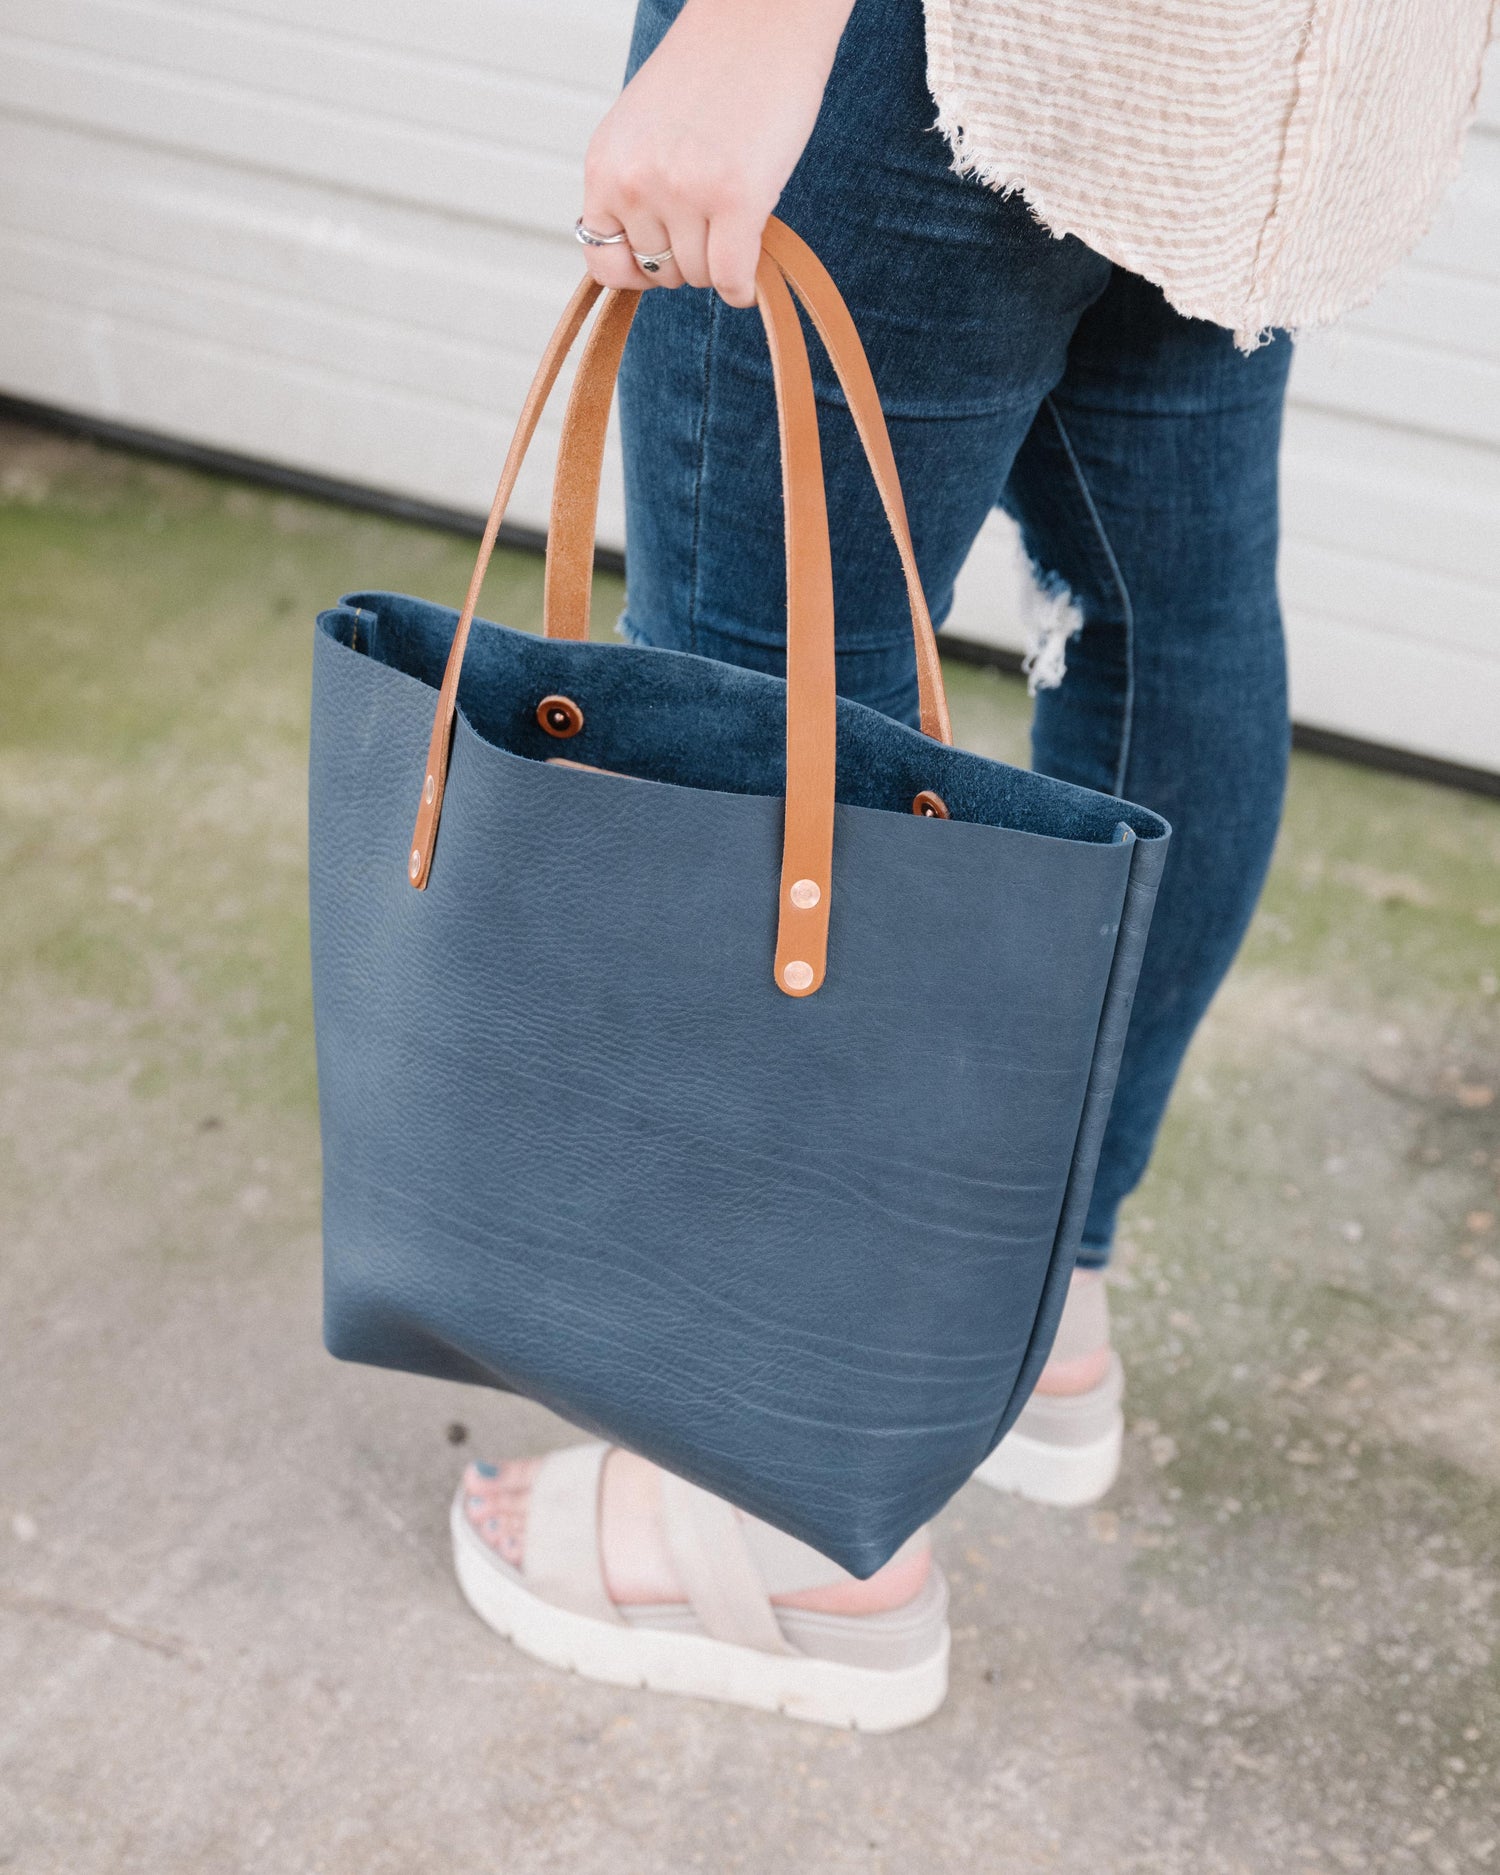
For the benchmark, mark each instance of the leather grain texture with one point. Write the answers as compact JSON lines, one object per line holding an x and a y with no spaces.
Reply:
{"x":806,"y":1253}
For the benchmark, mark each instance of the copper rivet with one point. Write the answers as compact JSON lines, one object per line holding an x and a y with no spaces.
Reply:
{"x":429,"y":793}
{"x":560,"y":717}
{"x":416,"y":863}
{"x":798,"y":975}
{"x":805,"y":894}
{"x":930,"y":806}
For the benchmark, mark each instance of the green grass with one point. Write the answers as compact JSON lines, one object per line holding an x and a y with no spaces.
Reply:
{"x":154,"y":670}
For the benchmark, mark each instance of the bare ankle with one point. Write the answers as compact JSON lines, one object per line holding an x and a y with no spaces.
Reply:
{"x":1084,"y":1371}
{"x":1073,"y":1368}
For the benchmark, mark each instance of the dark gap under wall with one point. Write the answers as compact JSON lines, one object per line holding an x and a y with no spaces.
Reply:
{"x":607,"y":559}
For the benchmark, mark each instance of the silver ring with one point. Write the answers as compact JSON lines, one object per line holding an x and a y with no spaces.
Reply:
{"x":652,"y":263}
{"x":590,"y":239}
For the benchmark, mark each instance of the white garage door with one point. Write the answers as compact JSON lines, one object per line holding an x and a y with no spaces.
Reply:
{"x":333,"y":234}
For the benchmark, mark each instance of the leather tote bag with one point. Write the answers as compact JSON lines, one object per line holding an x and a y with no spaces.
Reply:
{"x":718,"y":1062}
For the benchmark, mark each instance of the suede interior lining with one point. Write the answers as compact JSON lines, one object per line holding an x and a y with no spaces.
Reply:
{"x":697,"y":722}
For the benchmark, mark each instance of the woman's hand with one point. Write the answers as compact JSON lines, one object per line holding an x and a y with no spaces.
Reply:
{"x":696,"y":150}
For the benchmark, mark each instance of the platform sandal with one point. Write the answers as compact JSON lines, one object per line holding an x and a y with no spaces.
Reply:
{"x":726,"y":1639}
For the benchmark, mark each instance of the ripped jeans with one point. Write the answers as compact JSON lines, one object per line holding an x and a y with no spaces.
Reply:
{"x":1137,"y":450}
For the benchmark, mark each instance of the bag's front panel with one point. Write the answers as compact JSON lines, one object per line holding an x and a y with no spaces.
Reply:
{"x":577,"y":1142}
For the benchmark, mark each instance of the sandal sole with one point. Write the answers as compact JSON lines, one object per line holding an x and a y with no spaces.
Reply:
{"x":1064,"y":1476}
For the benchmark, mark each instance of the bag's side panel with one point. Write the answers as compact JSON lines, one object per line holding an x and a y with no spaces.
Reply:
{"x":1147,"y":860}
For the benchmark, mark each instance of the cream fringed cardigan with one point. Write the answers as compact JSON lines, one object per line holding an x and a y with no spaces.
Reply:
{"x":1263,"y":161}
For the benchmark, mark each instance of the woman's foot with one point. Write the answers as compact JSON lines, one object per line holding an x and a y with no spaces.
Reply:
{"x":1065,"y":1446}
{"x":637,"y":1564}
{"x":595,"y":1561}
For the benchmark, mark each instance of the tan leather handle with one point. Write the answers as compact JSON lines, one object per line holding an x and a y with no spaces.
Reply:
{"x":574,"y":519}
{"x":813,"y":285}
{"x":811,"y":689}
{"x":575,"y":499}
{"x":807,"y":849}
{"x":811,"y":694}
{"x":424,"y":835}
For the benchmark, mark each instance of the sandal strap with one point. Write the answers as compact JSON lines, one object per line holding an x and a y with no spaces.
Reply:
{"x":787,"y":1565}
{"x":562,"y":1560}
{"x":717,"y":1572}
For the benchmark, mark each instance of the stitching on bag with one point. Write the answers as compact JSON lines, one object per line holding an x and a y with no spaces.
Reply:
{"x":699,"y":475}
{"x":1127,"y":609}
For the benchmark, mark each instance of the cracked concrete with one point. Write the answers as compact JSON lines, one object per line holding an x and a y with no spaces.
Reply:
{"x":228,"y":1636}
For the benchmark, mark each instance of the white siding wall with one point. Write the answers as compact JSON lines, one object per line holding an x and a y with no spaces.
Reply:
{"x":1391,"y":561}
{"x":333,"y":234}
{"x":330,"y":233}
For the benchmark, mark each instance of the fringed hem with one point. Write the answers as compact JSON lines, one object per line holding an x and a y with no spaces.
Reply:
{"x":1254,"y":306}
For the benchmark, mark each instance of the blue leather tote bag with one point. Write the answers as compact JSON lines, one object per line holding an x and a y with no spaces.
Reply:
{"x":718,"y":1062}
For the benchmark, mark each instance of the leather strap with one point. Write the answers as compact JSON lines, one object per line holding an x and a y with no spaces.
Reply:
{"x":811,"y":709}
{"x":575,"y":498}
{"x":424,"y":835}
{"x":807,"y":846}
{"x":813,"y":285}
{"x":580,"y":464}
{"x":811,"y":685}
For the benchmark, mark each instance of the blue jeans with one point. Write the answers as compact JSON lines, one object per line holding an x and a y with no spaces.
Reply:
{"x":1136,"y":449}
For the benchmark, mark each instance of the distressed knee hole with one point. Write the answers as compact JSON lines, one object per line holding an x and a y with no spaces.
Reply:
{"x":1051,"y":616}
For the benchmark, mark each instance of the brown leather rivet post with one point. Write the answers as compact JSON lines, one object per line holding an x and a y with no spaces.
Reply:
{"x":414,"y":864}
{"x":429,"y":793}
{"x":930,"y":806}
{"x":559,"y":716}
